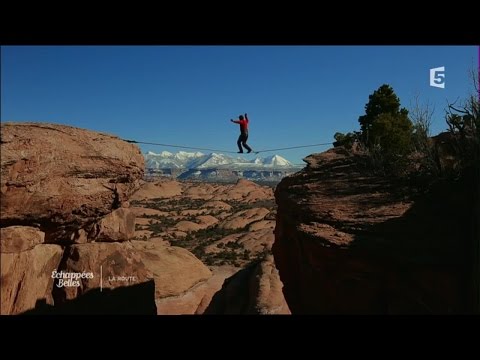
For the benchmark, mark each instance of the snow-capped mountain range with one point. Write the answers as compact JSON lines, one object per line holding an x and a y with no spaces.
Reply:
{"x":198,"y":160}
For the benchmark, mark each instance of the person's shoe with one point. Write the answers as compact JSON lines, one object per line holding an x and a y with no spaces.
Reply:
{"x":240,"y":152}
{"x":249,"y":151}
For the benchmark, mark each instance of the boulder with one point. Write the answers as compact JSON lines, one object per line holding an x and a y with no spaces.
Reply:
{"x":119,"y":225}
{"x":64,"y":178}
{"x":14,"y":239}
{"x":26,"y":277}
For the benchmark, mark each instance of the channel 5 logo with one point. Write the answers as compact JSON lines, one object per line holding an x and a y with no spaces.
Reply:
{"x":437,"y":77}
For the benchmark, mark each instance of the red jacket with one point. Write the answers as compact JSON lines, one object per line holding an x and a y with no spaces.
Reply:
{"x":243,"y":124}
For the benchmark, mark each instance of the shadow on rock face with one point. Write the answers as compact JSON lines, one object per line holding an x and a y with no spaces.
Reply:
{"x":349,"y":242}
{"x":233,"y":297}
{"x":128,"y":300}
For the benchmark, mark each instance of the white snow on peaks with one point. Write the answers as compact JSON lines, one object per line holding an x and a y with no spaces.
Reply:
{"x":198,"y":160}
{"x":277,"y":160}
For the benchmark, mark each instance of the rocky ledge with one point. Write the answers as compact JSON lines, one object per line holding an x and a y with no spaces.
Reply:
{"x":349,"y":242}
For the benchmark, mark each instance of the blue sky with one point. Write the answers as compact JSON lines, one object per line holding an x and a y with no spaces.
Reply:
{"x":186,"y":95}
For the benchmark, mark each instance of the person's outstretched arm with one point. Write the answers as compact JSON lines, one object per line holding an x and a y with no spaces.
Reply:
{"x":235,"y":121}
{"x":246,"y":117}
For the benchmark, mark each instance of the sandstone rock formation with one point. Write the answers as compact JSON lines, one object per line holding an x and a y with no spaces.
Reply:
{"x":227,"y":235}
{"x":215,"y":204}
{"x":160,"y":189}
{"x":63,"y":178}
{"x":244,"y":218}
{"x":67,"y":230}
{"x":119,"y":225}
{"x":175,"y":269}
{"x":197,"y":298}
{"x":71,"y":187}
{"x":112,"y":265}
{"x":26,"y":277}
{"x":245,"y":190}
{"x":256,"y":289}
{"x":182,"y":283}
{"x":347,"y":242}
{"x":60,"y":185}
{"x":15,"y":239}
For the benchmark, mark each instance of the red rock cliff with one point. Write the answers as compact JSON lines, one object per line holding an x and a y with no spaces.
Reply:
{"x":64,"y":209}
{"x":347,"y":242}
{"x":63,"y":178}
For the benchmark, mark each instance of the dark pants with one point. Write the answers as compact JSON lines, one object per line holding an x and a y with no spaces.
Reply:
{"x":242,"y":140}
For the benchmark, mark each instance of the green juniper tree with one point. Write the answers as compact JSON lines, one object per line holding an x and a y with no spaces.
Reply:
{"x":386,"y":129}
